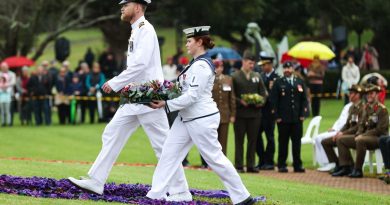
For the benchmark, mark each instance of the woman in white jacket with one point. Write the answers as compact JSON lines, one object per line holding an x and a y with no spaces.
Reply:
{"x":350,"y":75}
{"x":197,"y":123}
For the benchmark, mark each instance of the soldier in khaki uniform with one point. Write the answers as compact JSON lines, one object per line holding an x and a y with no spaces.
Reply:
{"x":349,"y":129}
{"x":223,"y":95}
{"x":248,"y":117}
{"x":374,"y":124}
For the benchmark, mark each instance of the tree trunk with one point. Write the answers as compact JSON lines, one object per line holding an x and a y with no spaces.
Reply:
{"x":117,"y":35}
{"x":381,"y":43}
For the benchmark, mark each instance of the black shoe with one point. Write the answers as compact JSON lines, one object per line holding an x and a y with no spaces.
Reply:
{"x":299,"y":170}
{"x":240,"y":170}
{"x":185,"y":164}
{"x":336,"y":169}
{"x":252,"y":170}
{"x":356,"y":173}
{"x":283,"y":169}
{"x":248,"y":201}
{"x":384,"y":176}
{"x":343,"y":172}
{"x":267,"y":167}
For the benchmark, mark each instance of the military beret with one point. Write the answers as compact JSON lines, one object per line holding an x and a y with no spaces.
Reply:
{"x":372,"y":87}
{"x":144,"y":2}
{"x":287,"y":64}
{"x":197,"y":31}
{"x":356,"y":88}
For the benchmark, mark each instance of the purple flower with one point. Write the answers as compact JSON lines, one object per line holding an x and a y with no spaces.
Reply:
{"x":123,"y":193}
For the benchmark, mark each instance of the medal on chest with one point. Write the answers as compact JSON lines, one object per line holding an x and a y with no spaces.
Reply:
{"x":184,"y":77}
{"x":131,"y":42}
{"x":374,"y":118}
{"x":226,"y":87}
{"x":131,"y":45}
{"x":271,"y":83}
{"x":300,"y":89}
{"x":354,"y":118}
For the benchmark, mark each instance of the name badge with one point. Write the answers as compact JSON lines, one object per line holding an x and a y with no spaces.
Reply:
{"x":255,"y":80}
{"x":300,"y":89}
{"x":226,"y":87}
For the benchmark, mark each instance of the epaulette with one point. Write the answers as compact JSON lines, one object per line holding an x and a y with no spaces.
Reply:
{"x":141,"y":24}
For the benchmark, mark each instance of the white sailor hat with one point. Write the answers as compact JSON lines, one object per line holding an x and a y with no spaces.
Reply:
{"x":197,"y":31}
{"x":265,"y":58}
{"x":144,"y":2}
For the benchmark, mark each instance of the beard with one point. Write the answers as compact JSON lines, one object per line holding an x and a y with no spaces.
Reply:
{"x":127,"y":18}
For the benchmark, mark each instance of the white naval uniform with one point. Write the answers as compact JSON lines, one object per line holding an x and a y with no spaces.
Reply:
{"x":143,"y":65}
{"x":197,"y":123}
{"x":321,"y":157}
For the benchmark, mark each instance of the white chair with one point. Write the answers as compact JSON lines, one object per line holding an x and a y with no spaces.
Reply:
{"x":369,"y":160}
{"x":378,"y":161}
{"x":311,"y":133}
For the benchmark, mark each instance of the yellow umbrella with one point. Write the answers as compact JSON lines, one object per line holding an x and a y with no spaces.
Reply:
{"x":309,"y":49}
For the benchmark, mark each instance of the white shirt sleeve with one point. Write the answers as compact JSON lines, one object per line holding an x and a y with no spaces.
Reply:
{"x":344,"y":74}
{"x":198,"y":77}
{"x":138,"y":62}
{"x":340,"y":122}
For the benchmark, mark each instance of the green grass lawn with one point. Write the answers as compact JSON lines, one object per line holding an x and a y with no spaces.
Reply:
{"x":83,"y":142}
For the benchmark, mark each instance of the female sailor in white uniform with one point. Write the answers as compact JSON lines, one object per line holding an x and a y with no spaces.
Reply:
{"x":197,"y":123}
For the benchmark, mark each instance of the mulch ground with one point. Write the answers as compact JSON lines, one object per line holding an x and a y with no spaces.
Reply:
{"x":367,"y":184}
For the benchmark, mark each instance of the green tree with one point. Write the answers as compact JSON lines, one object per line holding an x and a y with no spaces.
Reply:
{"x":379,"y":12}
{"x":229,"y":18}
{"x":22,"y":21}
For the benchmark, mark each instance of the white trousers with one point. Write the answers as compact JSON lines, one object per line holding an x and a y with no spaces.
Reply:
{"x":203,"y":133}
{"x":118,"y":131}
{"x":321,"y":157}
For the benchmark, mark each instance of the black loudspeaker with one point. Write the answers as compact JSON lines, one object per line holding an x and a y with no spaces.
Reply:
{"x":340,"y":37}
{"x":339,"y":34}
{"x":62,"y":49}
{"x":161,"y":40}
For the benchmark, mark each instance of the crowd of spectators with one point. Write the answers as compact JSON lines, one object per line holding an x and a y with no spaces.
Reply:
{"x":33,"y":93}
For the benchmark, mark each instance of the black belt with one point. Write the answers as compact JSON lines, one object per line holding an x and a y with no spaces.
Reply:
{"x":199,"y":117}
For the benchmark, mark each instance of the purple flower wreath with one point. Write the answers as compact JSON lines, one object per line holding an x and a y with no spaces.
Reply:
{"x":124,"y":193}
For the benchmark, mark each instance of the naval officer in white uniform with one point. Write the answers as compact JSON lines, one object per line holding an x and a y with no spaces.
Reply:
{"x":197,"y":123}
{"x":143,"y":65}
